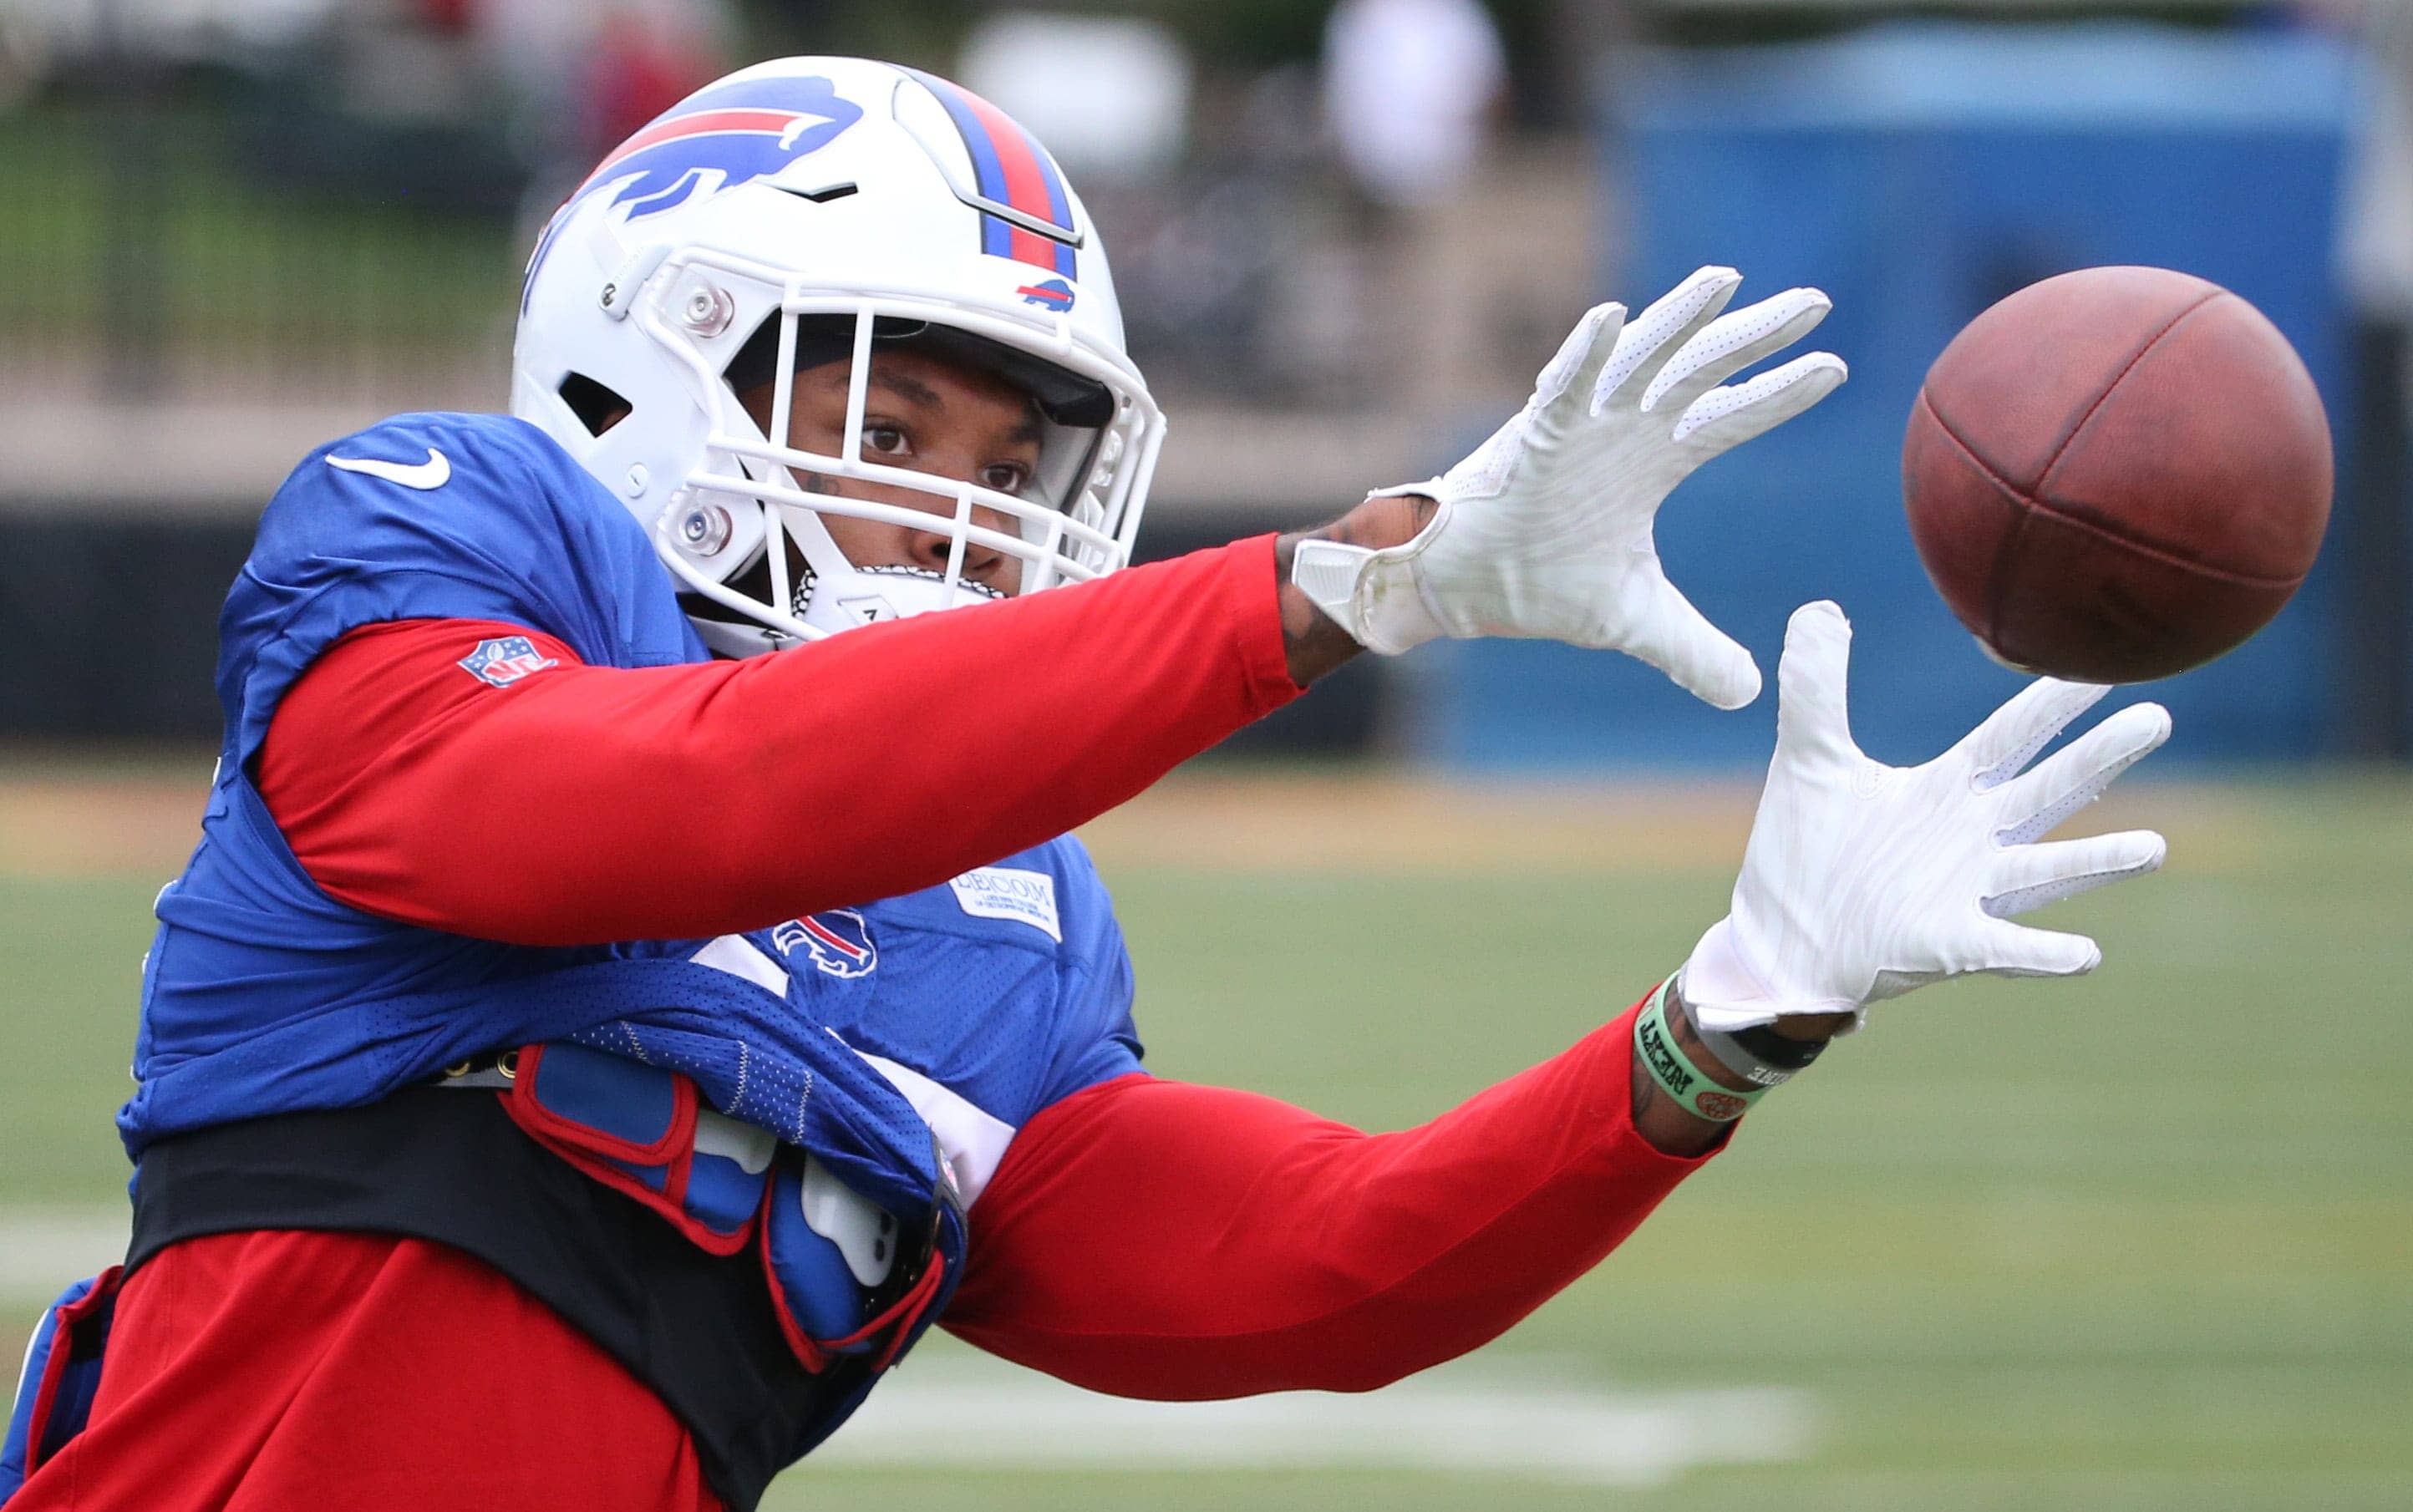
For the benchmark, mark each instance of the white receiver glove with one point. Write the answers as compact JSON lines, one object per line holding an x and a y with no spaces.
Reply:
{"x":1546,"y":531}
{"x":1863,"y":880}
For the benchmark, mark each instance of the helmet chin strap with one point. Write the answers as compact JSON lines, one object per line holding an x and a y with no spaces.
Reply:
{"x":832,"y":594}
{"x":735,"y":640}
{"x":869,"y":595}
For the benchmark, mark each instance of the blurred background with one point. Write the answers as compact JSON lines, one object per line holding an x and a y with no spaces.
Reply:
{"x":2139,"y":1242}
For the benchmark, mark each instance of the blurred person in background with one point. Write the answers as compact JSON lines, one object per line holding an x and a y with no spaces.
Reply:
{"x":648,"y":55}
{"x":1412,"y":91}
{"x":530,"y":1110}
{"x":582,"y":76}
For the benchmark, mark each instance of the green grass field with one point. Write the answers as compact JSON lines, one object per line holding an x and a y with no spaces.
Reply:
{"x":2141,"y":1241}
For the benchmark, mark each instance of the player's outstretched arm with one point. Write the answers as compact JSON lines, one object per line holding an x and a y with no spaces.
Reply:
{"x":1162,"y":1239}
{"x":586,"y":804}
{"x":1547,"y":530}
{"x":1157,"y":1240}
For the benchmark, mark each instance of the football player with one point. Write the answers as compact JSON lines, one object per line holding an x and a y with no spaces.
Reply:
{"x":529,"y":1108}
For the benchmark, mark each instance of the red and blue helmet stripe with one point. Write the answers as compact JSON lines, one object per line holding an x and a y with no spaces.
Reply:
{"x":1011,"y":169}
{"x":746,"y":130}
{"x":723,"y":136}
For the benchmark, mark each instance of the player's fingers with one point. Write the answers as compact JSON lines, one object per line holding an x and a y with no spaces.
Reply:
{"x":2030,"y":876}
{"x":1733,"y":342}
{"x":2073,"y":777}
{"x":1679,"y":640}
{"x":1727,"y":417}
{"x":1658,"y":333}
{"x":2010,"y":949}
{"x":1577,"y":366}
{"x":2012,"y":735}
{"x":1813,"y":716}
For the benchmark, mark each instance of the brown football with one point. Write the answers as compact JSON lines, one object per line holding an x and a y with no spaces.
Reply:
{"x":2117,"y":474}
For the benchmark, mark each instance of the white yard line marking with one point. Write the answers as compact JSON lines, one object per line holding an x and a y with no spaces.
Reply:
{"x":972,"y":1412}
{"x":43,"y":1249}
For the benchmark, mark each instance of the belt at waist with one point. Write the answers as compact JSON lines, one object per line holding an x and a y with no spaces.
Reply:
{"x":698,"y":1330}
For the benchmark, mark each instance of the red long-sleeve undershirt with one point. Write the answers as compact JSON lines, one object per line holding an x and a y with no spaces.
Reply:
{"x":1154,"y":1238}
{"x":581,"y":805}
{"x":1144,"y":1237}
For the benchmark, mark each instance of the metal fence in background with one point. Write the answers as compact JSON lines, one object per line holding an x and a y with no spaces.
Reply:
{"x":160,"y":247}
{"x":264,"y":239}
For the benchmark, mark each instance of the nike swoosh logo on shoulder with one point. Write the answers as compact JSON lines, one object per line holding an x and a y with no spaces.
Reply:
{"x":433,"y":473}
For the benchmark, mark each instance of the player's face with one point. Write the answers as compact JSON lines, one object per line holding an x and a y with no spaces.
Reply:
{"x":932,"y":416}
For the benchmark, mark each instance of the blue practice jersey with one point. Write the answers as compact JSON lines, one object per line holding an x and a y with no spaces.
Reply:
{"x":981,"y":1000}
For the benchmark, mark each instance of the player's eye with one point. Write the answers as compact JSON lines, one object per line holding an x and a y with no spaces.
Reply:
{"x":1005,"y":477}
{"x":887,"y":441}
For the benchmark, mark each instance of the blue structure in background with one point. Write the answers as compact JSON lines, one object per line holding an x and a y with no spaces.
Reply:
{"x":1917,"y":174}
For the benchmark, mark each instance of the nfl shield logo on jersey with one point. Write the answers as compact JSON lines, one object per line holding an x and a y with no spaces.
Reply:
{"x":504,"y":661}
{"x":838,"y":942}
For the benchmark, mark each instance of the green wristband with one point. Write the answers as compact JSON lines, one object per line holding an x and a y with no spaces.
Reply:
{"x":1694,"y":1090}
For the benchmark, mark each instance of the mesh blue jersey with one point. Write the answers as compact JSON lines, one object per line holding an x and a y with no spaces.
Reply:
{"x":981,"y":1000}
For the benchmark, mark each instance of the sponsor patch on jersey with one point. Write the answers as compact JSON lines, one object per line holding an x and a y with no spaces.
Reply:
{"x":1010,"y":893}
{"x":505,"y":660}
{"x":838,"y":942}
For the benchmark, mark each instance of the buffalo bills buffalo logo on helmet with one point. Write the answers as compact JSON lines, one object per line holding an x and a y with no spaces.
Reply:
{"x":714,"y":140}
{"x":838,"y":942}
{"x":1051,"y":294}
{"x":741,"y":131}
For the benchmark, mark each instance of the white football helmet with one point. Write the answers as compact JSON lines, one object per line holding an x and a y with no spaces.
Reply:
{"x":802,"y":212}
